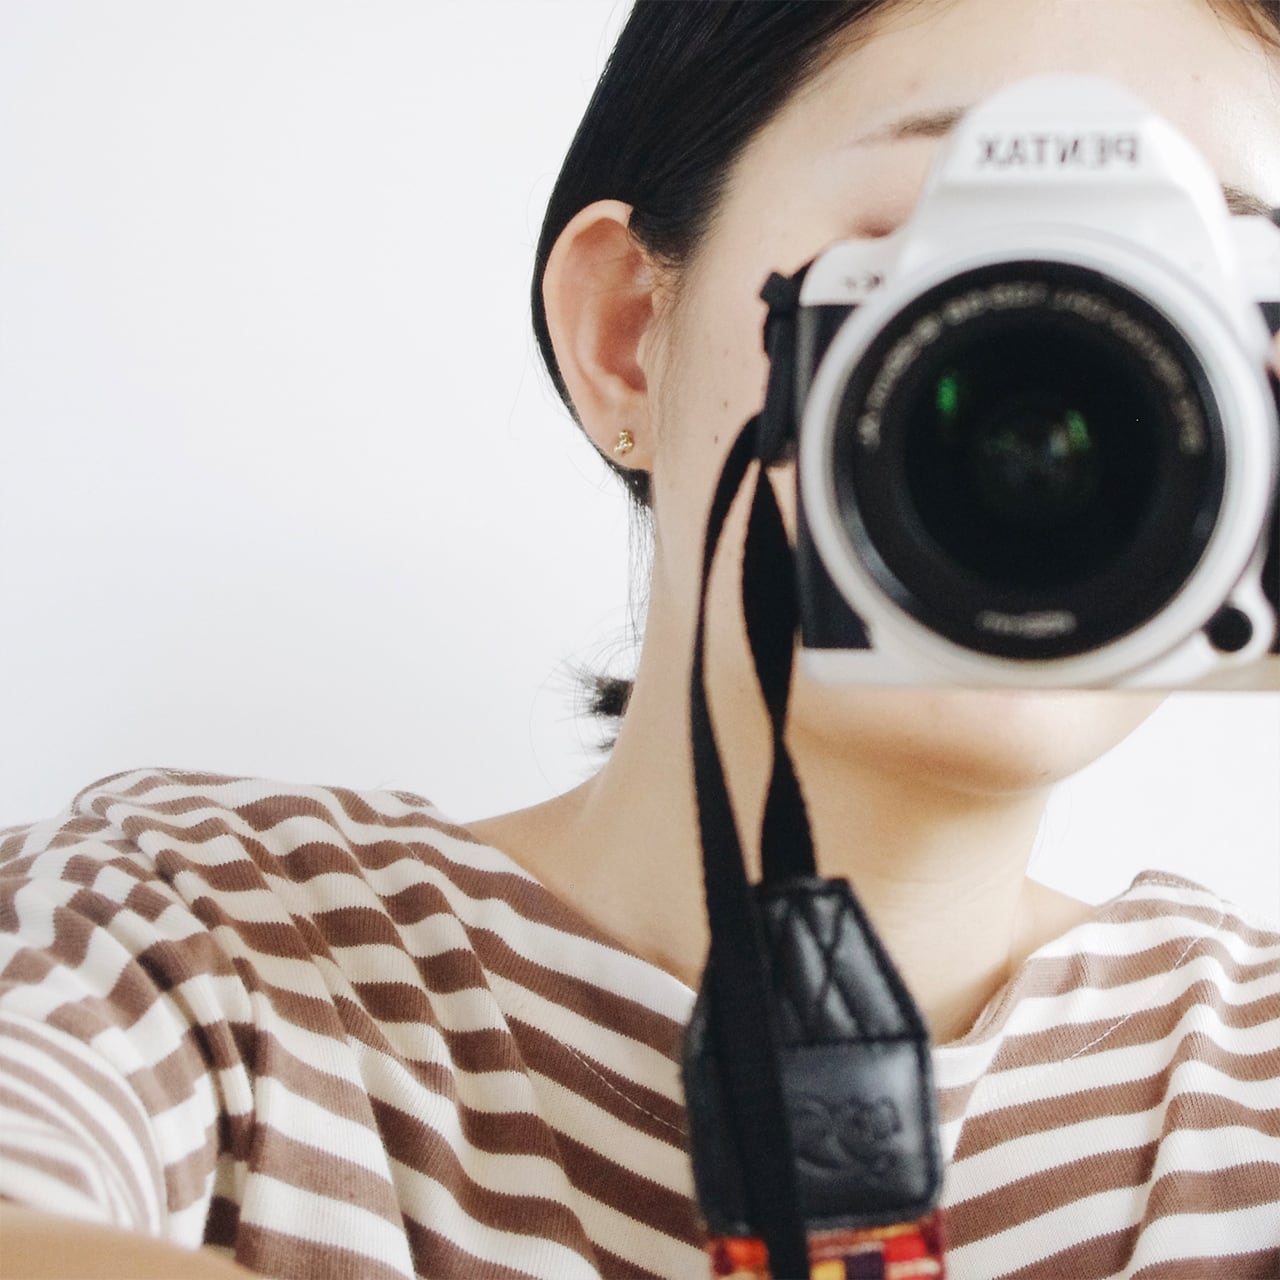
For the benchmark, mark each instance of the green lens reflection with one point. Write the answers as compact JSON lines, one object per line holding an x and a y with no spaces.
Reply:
{"x":1078,"y":431}
{"x":948,"y":397}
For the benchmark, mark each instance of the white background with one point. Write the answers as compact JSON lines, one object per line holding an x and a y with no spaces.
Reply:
{"x":283,"y":488}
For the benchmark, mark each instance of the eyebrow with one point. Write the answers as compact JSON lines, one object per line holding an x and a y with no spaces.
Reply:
{"x":937,"y":124}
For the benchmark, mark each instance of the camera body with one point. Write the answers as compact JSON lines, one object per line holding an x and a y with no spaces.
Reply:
{"x":1038,"y":443}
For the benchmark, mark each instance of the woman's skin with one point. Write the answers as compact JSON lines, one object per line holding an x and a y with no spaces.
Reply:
{"x":929,"y":802}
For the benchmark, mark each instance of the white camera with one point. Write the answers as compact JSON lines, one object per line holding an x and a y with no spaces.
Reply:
{"x":1038,"y":441}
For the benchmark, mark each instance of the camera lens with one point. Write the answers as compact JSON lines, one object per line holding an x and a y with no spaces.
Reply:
{"x":1025,"y":460}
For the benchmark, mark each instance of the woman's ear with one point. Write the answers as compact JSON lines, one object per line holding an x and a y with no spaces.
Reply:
{"x":598,"y":291}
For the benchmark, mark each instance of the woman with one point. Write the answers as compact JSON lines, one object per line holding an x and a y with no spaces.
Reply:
{"x":328,"y":1033}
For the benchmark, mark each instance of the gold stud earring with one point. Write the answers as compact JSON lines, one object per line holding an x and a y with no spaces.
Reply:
{"x":626,"y":442}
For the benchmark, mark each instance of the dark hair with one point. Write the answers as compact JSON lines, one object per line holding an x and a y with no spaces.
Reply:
{"x":688,"y":85}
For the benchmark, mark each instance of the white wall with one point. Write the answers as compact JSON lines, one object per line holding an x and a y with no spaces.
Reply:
{"x":283,"y":489}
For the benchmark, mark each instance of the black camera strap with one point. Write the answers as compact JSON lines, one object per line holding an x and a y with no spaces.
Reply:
{"x":806,"y":1064}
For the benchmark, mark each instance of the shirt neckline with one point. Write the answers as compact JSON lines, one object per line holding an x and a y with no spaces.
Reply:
{"x":989,"y":1022}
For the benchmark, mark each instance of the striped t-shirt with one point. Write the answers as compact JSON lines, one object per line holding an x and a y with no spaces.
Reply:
{"x":334,"y":1035}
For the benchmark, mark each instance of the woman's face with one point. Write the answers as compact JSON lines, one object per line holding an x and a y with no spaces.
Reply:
{"x":829,"y":167}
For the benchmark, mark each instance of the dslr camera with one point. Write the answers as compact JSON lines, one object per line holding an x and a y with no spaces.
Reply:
{"x":1037,"y":436}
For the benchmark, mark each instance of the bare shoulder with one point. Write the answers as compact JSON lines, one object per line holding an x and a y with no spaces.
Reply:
{"x":1048,"y":915}
{"x":526,"y":835}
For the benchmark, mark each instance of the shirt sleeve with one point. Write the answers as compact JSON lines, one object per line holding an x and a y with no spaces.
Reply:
{"x":113,"y":1074}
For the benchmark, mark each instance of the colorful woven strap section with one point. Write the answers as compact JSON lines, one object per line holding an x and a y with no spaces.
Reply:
{"x":908,"y":1251}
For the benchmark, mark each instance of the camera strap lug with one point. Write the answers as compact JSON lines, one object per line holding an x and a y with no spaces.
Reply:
{"x":776,"y":425}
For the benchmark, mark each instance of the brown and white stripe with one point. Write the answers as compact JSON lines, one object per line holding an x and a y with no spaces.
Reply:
{"x":1117,"y":1111}
{"x":334,"y":1035}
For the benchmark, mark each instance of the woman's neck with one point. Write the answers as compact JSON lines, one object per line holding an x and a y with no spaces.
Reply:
{"x":940,"y":871}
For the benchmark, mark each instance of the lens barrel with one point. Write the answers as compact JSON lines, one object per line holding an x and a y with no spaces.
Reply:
{"x":1027,"y":460}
